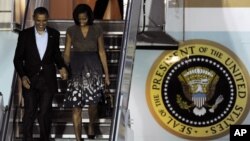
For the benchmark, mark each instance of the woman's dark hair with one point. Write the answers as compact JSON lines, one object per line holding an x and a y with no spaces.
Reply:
{"x":83,"y":8}
{"x":41,"y":10}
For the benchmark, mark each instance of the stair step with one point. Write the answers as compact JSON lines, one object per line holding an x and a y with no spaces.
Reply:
{"x":66,"y":139}
{"x":107,"y":26}
{"x":61,"y":130}
{"x":64,"y":115}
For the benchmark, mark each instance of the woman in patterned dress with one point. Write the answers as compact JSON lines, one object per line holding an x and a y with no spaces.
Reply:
{"x":88,"y":64}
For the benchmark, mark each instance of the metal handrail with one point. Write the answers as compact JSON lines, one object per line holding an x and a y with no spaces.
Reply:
{"x":125,"y":70}
{"x":8,"y":108}
{"x":25,"y":14}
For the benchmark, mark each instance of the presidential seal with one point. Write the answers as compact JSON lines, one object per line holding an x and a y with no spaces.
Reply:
{"x":199,"y":90}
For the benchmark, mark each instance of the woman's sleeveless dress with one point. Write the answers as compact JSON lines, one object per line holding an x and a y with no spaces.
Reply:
{"x":85,"y":84}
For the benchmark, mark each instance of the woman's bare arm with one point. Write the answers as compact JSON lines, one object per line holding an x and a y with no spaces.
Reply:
{"x":67,"y":49}
{"x":103,"y":57}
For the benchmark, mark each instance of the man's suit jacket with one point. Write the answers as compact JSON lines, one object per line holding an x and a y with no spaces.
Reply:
{"x":27,"y":60}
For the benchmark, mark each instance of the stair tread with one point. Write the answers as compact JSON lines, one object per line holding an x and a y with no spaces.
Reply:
{"x":66,"y":129}
{"x":68,"y":136}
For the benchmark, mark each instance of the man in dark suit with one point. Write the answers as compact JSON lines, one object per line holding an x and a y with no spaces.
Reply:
{"x":36,"y":57}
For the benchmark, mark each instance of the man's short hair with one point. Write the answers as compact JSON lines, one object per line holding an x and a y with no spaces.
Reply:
{"x":41,"y":10}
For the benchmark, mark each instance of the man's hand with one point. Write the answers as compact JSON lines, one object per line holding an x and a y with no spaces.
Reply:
{"x":64,"y":74}
{"x":26,"y":82}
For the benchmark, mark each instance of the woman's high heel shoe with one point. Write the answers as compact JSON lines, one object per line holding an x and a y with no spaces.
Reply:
{"x":91,"y":132}
{"x":91,"y":136}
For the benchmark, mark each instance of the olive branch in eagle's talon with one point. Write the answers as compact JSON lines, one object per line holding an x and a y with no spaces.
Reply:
{"x":182,"y":104}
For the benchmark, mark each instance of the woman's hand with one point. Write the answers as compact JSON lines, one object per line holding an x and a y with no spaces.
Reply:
{"x":26,"y":82}
{"x":107,"y":81}
{"x":64,"y":74}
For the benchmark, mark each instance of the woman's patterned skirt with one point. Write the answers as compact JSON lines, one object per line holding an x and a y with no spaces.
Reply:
{"x":85,"y":84}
